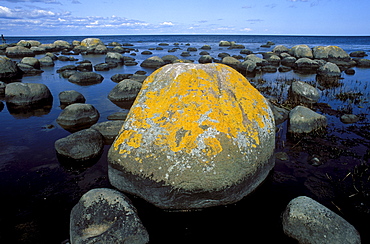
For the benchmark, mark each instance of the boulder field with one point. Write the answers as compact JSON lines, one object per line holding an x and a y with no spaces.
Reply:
{"x":196,"y":136}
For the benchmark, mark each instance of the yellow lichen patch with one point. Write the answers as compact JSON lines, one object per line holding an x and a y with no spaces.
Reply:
{"x":193,"y":104}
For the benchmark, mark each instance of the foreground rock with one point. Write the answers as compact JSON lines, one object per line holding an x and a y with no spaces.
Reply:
{"x":310,"y":222}
{"x":19,"y":52}
{"x":23,"y":94}
{"x":80,"y":146}
{"x":198,"y":135}
{"x":78,"y":116}
{"x":106,"y":216}
{"x":301,"y":92}
{"x":8,"y":69}
{"x":304,"y":120}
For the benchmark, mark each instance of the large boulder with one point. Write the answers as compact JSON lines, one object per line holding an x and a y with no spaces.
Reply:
{"x":34,"y":62}
{"x":83,"y":145}
{"x":302,"y":92}
{"x":224,"y":43}
{"x":8,"y":69}
{"x":306,"y":65}
{"x":91,"y":42}
{"x":198,"y":135}
{"x":248,"y":66}
{"x":106,"y":216}
{"x":78,"y":116}
{"x":257,"y":60}
{"x":60,"y":45}
{"x":23,"y":94}
{"x":330,"y":53}
{"x":28,"y":43}
{"x":308,"y":221}
{"x":303,"y":120}
{"x":19,"y":52}
{"x":204,"y":59}
{"x":280,"y":49}
{"x":86,"y":78}
{"x":46,"y":61}
{"x":301,"y":51}
{"x":232,"y":62}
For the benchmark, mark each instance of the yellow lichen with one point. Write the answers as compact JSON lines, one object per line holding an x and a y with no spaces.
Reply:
{"x":194,"y":101}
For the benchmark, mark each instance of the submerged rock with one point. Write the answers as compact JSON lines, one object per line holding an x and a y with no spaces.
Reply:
{"x":308,"y":221}
{"x":106,"y":216}
{"x":198,"y":135}
{"x":86,"y":78}
{"x":80,"y":146}
{"x":304,"y":120}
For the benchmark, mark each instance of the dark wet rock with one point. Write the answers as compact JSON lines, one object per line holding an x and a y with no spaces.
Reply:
{"x":79,"y":49}
{"x":163,"y":44}
{"x":38,"y":50}
{"x":118,"y":116}
{"x":125,"y":91}
{"x":329,"y":69}
{"x":284,"y":69}
{"x":106,"y":216}
{"x":245,"y":51}
{"x":168,"y":59}
{"x":146,"y":53}
{"x":223,"y":55}
{"x":301,"y":92}
{"x":138,"y":77}
{"x":289,"y":61}
{"x":78,"y":116}
{"x":205,"y":59}
{"x":303,"y":120}
{"x":283,"y":156}
{"x":86,"y":78}
{"x":113,"y":57}
{"x":269,"y":68}
{"x":236,"y":46}
{"x":120,"y":77}
{"x":127,"y":45}
{"x":130,"y":63}
{"x":153,"y":62}
{"x":67,"y":67}
{"x":109,"y":130}
{"x":46,"y":61}
{"x":185,"y":54}
{"x":114,"y":44}
{"x":19,"y":52}
{"x":192,"y":49}
{"x":224,"y":44}
{"x":68,"y":73}
{"x":363,"y":63}
{"x":69,"y":97}
{"x":280,"y":114}
{"x":119,"y":49}
{"x":301,"y":51}
{"x":2,"y":88}
{"x":350,"y":71}
{"x":100,"y":49}
{"x":83,"y":145}
{"x":28,"y":69}
{"x":101,"y":67}
{"x":202,"y":164}
{"x":52,"y":56}
{"x":238,"y":57}
{"x":308,"y":221}
{"x":85,"y":67}
{"x":358,"y":54}
{"x":206,"y":47}
{"x":8,"y":69}
{"x":232,"y":62}
{"x":34,"y":62}
{"x":306,"y":65}
{"x":279,"y":49}
{"x":349,"y":118}
{"x":22,"y":94}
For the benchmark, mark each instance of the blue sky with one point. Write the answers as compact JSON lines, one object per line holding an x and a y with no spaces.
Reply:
{"x":104,"y":17}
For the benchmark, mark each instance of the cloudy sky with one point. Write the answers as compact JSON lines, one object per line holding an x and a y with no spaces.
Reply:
{"x":103,"y":17}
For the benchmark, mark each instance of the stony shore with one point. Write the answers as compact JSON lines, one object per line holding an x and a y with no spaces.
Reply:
{"x":298,"y":117}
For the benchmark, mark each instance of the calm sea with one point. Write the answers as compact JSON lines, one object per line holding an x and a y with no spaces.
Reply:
{"x":38,"y":192}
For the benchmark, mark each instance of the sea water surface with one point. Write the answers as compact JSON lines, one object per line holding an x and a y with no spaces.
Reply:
{"x":38,"y":192}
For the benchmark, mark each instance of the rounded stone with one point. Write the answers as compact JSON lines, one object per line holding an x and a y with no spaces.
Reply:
{"x":78,"y":116}
{"x":198,"y":135}
{"x":21,"y":94}
{"x":69,"y":97}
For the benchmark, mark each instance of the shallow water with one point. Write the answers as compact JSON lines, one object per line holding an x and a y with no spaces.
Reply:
{"x":38,"y":192}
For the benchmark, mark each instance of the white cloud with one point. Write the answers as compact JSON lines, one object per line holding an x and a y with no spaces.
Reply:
{"x":167,"y":23}
{"x":246,"y":29}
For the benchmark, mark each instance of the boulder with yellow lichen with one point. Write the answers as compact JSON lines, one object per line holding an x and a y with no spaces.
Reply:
{"x":198,"y":135}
